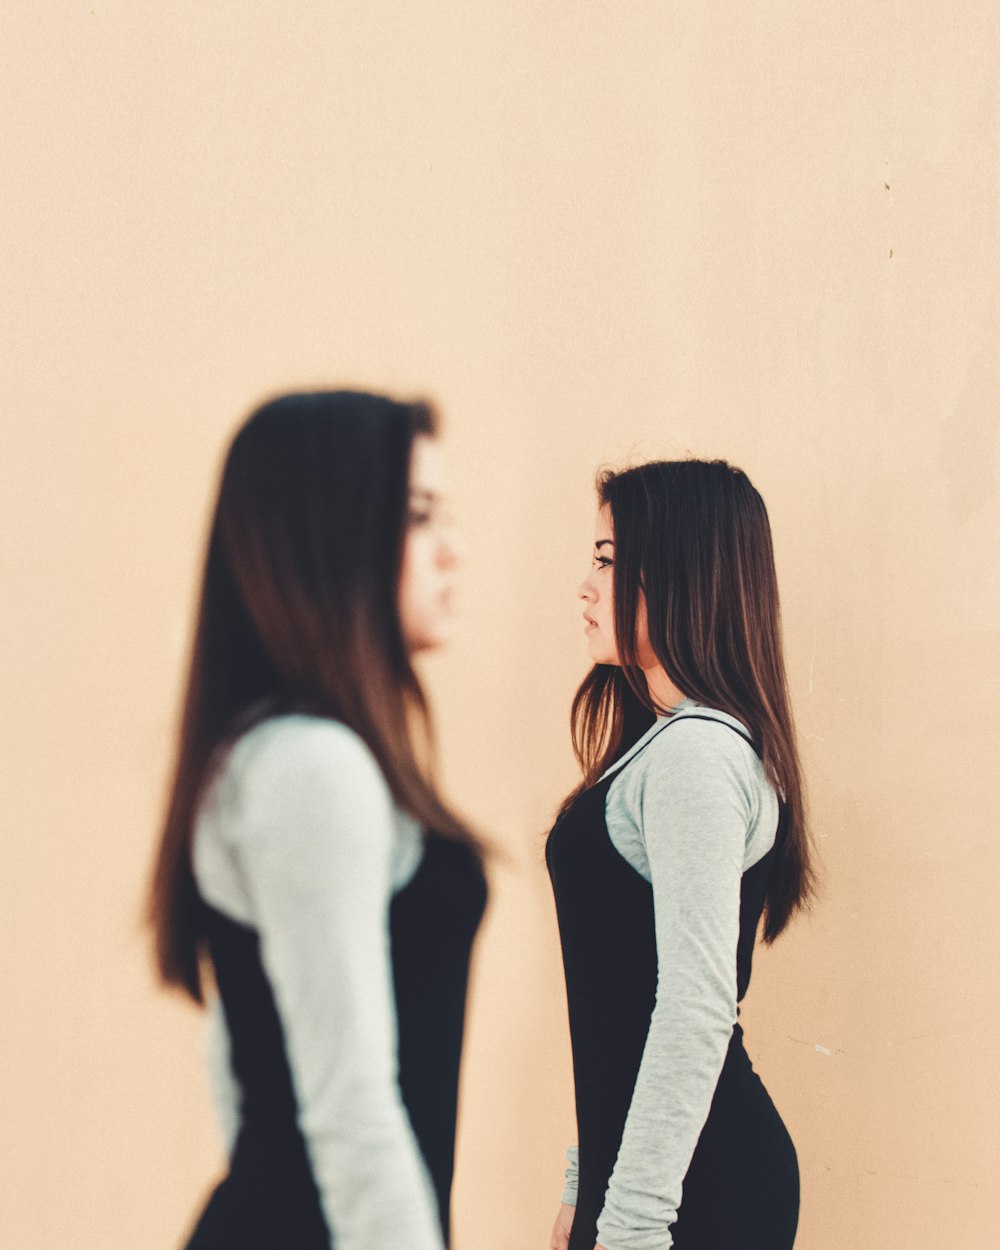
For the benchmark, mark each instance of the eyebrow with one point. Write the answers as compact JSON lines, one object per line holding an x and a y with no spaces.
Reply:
{"x":604,"y":542}
{"x":430,"y":495}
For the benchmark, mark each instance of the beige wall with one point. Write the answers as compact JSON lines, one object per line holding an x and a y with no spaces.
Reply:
{"x":762,"y":230}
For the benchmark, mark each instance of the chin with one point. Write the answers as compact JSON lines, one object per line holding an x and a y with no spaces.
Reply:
{"x":433,"y":638}
{"x":601,"y":655}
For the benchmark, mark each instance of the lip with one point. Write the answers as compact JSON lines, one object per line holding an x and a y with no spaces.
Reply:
{"x":590,"y":624}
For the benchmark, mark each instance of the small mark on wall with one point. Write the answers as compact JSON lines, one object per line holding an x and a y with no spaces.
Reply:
{"x":820,"y":1049}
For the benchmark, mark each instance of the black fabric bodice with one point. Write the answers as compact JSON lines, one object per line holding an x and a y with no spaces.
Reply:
{"x":269,"y":1197}
{"x":606,"y":927}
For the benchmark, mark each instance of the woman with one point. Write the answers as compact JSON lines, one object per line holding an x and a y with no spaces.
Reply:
{"x":307,"y":861}
{"x":687,"y":827}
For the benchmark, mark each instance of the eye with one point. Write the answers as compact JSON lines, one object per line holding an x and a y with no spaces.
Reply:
{"x":417,"y":518}
{"x":602,"y":562}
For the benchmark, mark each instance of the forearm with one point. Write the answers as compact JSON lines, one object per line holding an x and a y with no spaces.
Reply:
{"x":223,"y":1086}
{"x":684,"y":1055}
{"x":572,"y":1175}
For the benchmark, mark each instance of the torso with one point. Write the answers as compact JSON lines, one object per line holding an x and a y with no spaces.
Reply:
{"x":270,"y":1197}
{"x":606,"y":915}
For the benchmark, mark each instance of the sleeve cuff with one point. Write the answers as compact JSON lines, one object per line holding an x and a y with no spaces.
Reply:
{"x":572,"y":1157}
{"x":612,"y":1238}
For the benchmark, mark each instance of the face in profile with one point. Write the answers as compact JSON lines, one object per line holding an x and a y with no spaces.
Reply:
{"x":428,"y":580}
{"x":597,"y":593}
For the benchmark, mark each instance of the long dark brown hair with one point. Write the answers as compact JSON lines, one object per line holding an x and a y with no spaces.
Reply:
{"x":299,"y":612}
{"x":693,"y":538}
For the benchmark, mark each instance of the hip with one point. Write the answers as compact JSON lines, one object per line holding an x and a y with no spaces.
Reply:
{"x":262,"y":1204}
{"x":744,"y":1161}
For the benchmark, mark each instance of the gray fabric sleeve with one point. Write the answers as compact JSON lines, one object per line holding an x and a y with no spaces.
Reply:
{"x":572,"y":1157}
{"x":690,"y":797}
{"x":311,"y":833}
{"x":222,"y":1084}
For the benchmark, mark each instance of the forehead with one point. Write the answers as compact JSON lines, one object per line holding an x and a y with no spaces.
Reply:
{"x":427,"y":473}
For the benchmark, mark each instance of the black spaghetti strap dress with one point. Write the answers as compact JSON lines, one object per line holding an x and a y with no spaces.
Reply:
{"x":269,"y":1200}
{"x":741,"y":1191}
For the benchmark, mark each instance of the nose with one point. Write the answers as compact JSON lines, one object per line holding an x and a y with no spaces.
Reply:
{"x":586,"y":591}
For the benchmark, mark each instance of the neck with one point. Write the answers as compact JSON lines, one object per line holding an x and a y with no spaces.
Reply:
{"x":661,"y":689}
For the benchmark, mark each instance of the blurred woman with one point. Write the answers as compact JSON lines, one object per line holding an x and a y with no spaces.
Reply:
{"x":307,"y":864}
{"x":687,"y":827}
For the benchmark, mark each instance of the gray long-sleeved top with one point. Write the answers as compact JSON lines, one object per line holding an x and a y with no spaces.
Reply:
{"x":691,"y":814}
{"x":298,"y":837}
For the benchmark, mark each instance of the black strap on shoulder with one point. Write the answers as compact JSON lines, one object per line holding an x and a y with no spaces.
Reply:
{"x":675,"y":720}
{"x":715,"y":720}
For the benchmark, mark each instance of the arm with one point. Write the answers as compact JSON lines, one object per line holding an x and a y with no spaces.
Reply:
{"x":692,"y":801}
{"x":223,"y":1086}
{"x":562,"y":1229}
{"x":316,"y":855}
{"x":572,"y":1157}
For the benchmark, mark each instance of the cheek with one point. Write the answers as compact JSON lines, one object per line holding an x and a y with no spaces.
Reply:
{"x":604,"y":612}
{"x":606,"y":620}
{"x":412,"y":576}
{"x":421,"y":581}
{"x":642,"y":631}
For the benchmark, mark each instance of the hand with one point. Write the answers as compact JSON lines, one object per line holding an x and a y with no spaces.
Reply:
{"x":562,"y":1228}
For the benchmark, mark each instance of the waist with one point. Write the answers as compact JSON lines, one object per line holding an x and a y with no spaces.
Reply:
{"x":604,"y":1095}
{"x":604,"y":1077}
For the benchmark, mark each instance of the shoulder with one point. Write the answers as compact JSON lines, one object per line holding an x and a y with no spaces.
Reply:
{"x":299,"y":744}
{"x":695,"y":780}
{"x":695,"y":767}
{"x":698,"y":749}
{"x":295,"y":772}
